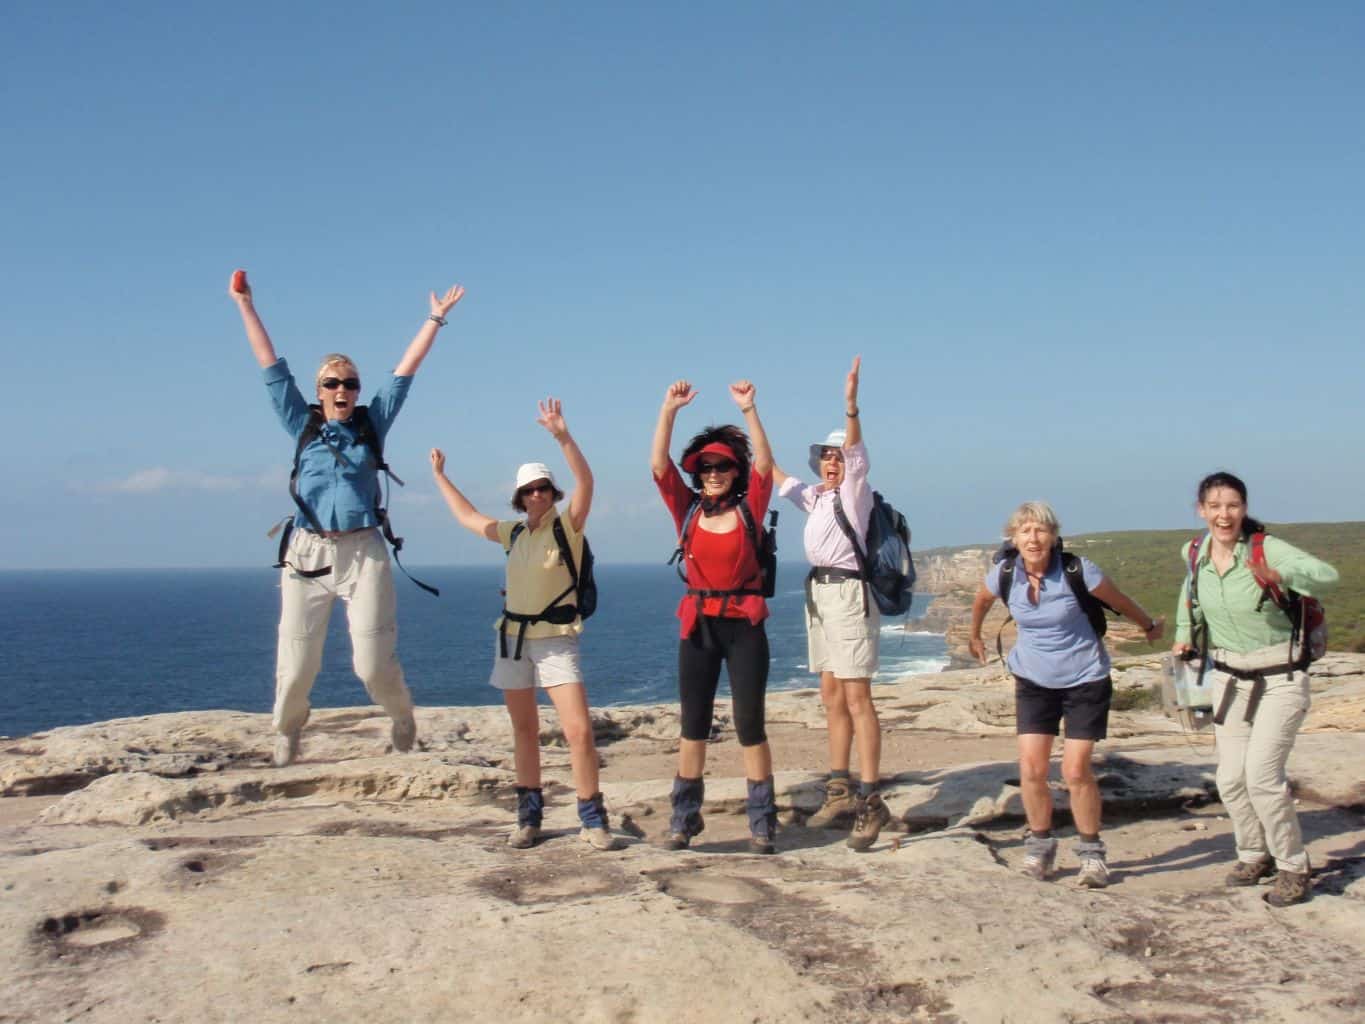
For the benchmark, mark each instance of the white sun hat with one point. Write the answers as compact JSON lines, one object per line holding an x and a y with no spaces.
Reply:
{"x":530,"y":472}
{"x":835,"y":440}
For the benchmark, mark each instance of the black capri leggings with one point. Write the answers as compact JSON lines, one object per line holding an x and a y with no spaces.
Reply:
{"x":744,"y":649}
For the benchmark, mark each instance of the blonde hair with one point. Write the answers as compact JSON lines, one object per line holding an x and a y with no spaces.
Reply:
{"x":1032,"y":512}
{"x":335,"y":359}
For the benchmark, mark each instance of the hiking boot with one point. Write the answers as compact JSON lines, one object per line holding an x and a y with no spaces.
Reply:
{"x":404,"y":733}
{"x":762,"y":809}
{"x":599,"y":838}
{"x":1290,"y":887}
{"x":686,"y":821}
{"x":530,"y":812}
{"x":1244,"y":873}
{"x":592,"y":814}
{"x":286,"y":749}
{"x":872,"y":816}
{"x":839,"y":805}
{"x":1040,"y":857}
{"x":524,"y":837}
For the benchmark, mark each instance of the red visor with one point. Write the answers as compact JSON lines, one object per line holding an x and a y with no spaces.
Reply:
{"x":689,"y":464}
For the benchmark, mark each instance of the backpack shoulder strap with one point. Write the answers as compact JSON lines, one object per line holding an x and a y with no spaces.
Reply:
{"x":1006,"y":579}
{"x":311,"y":431}
{"x":517,"y":530}
{"x":565,"y":552}
{"x":1256,"y":563}
{"x":1074,"y":573}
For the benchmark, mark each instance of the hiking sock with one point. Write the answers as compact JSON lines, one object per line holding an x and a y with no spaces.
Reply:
{"x":687,"y":798}
{"x":1041,"y":833}
{"x":592,"y":812}
{"x":1088,"y":837}
{"x":530,"y":805}
{"x":838,"y":773}
{"x":866,"y":789}
{"x":762,"y":807}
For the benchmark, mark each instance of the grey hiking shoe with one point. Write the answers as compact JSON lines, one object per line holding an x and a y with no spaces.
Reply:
{"x":1094,"y":872}
{"x":1244,"y":873}
{"x":599,"y":838}
{"x":404,"y":733}
{"x":1290,"y":887}
{"x":839,"y":806}
{"x":1040,"y":858}
{"x":523,"y":837}
{"x":872,"y":815}
{"x":286,"y":749}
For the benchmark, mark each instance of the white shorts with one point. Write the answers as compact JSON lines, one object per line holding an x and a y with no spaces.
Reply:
{"x":545,"y":662}
{"x":839,"y":637}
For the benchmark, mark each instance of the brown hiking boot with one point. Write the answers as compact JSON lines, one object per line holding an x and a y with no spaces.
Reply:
{"x":839,"y":806}
{"x":1290,"y":887}
{"x":872,"y":815}
{"x":1244,"y":873}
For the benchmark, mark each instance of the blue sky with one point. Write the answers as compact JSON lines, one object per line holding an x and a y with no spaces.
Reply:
{"x":1088,"y":253}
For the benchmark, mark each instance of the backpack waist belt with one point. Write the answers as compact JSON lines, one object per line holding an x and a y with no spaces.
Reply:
{"x":1257,"y":679}
{"x":832,"y":574}
{"x":708,"y":640}
{"x":558,"y":614}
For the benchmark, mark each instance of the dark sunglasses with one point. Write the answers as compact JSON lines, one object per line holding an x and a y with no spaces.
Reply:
{"x":831,"y":453}
{"x":332,"y":383}
{"x":535,"y":489}
{"x":724,"y":466}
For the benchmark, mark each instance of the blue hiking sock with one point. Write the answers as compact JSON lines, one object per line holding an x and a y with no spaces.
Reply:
{"x":592,"y":813}
{"x":530,"y":805}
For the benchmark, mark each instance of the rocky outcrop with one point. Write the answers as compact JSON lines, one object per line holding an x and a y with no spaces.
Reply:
{"x":158,"y":869}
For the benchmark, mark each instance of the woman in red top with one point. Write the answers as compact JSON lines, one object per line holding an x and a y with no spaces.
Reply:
{"x":723,"y":610}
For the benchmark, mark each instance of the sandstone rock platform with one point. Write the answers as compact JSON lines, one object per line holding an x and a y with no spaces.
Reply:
{"x":158,"y":869}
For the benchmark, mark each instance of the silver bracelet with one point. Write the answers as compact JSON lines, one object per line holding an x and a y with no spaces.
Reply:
{"x":439,"y":320}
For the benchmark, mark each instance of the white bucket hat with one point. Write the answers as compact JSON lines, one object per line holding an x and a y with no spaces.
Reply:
{"x":835,"y":440}
{"x":529,"y":472}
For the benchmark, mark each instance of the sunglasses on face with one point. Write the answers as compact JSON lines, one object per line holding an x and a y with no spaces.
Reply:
{"x":530,"y":489}
{"x":831,"y":453}
{"x":724,"y":466}
{"x":332,"y":383}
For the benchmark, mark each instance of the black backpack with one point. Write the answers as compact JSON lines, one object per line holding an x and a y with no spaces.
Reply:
{"x":369,"y":437}
{"x":886,"y":566}
{"x":582,"y":582}
{"x":765,"y":550}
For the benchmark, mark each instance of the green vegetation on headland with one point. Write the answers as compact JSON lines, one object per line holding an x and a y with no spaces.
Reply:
{"x":1146,"y":564}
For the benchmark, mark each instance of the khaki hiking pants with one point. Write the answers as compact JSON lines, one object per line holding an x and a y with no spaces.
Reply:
{"x":1252,"y":780}
{"x":362,"y":577}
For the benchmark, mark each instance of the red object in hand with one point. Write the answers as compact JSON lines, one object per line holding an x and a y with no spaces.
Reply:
{"x":239,"y":280}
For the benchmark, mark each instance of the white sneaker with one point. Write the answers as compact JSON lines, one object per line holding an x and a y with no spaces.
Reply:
{"x":1040,"y":858}
{"x":1094,"y":873}
{"x":286,"y":749}
{"x":404,"y":733}
{"x":599,"y":839}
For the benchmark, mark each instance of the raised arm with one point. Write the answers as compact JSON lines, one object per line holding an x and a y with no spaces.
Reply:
{"x":744,"y":394}
{"x":580,"y":502}
{"x":1129,"y":609}
{"x":779,"y":477}
{"x":465,"y":513}
{"x":853,"y":426}
{"x":261,"y":346}
{"x":981,"y":604}
{"x":679,"y":393}
{"x":426,"y":334}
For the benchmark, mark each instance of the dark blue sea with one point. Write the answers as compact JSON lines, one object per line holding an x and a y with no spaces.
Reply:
{"x":84,"y":646}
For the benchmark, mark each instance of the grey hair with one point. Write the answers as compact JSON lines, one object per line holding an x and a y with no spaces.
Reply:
{"x":1032,"y":512}
{"x":333,"y":359}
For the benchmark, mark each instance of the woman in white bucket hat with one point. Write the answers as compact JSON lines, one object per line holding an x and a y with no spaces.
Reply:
{"x":541,"y":615}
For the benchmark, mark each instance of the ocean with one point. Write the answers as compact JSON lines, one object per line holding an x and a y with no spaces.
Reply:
{"x":83,"y":646}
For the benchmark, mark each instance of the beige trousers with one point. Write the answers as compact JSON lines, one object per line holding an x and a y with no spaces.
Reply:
{"x":362,"y":577}
{"x":1252,"y":780}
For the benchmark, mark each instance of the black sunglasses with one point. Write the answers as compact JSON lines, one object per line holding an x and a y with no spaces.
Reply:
{"x":724,"y":466}
{"x":332,"y":383}
{"x":535,"y":489}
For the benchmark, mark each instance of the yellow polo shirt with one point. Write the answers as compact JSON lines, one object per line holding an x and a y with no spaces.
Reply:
{"x":536,"y":574}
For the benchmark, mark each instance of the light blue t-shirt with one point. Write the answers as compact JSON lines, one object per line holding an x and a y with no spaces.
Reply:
{"x":341,"y":492}
{"x":1057,"y":647}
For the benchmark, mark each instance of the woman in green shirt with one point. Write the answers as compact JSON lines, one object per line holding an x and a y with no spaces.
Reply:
{"x":1260,"y":682}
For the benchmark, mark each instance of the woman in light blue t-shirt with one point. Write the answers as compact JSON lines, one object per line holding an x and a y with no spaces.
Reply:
{"x":1061,"y":673}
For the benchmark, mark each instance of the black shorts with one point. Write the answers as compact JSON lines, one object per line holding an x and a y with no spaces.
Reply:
{"x":1039,"y":709}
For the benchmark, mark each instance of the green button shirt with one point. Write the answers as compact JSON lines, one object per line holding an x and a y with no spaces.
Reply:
{"x":1228,"y":602}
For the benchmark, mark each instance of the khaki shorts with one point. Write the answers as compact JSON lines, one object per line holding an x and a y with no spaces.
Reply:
{"x":548,"y":661}
{"x":839,"y":637}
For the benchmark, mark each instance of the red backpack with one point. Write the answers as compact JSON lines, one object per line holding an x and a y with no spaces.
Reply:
{"x":1308,"y":642}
